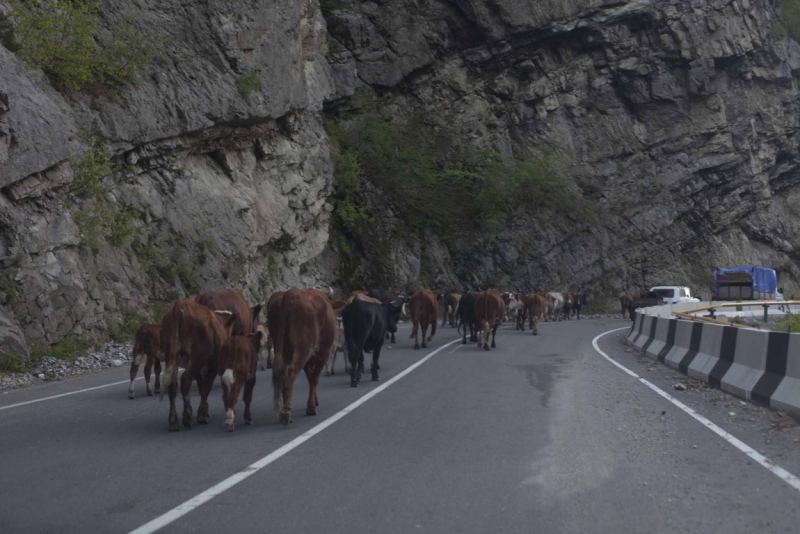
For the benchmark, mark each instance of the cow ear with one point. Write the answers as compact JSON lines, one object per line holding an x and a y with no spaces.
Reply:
{"x":256,"y":310}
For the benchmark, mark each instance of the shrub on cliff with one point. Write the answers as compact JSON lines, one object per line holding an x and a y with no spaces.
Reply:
{"x":441,"y":185}
{"x":791,"y":18}
{"x":59,"y":36}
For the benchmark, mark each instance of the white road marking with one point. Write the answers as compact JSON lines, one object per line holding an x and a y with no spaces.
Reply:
{"x":195,"y":502}
{"x":765,"y":462}
{"x":34,"y":401}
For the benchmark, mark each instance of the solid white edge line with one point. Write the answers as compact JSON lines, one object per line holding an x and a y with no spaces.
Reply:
{"x":762,"y":460}
{"x":183,"y":509}
{"x":34,"y":401}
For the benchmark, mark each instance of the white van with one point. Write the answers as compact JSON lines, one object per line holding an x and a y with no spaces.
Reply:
{"x":674,"y":294}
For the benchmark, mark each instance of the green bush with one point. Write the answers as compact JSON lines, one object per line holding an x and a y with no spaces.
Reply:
{"x":247,"y":83}
{"x":13,"y":362}
{"x":450,"y":189}
{"x":125,"y":329}
{"x":98,"y":219}
{"x":7,"y":35}
{"x":59,"y":36}
{"x":790,"y":25}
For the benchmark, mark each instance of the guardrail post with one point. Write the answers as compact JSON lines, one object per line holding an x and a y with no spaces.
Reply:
{"x":713,"y":313}
{"x":766,"y":317}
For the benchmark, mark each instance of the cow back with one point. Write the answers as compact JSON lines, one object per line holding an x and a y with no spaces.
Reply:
{"x":246,"y":321}
{"x":193,"y":332}
{"x":424,"y":306}
{"x":489,"y":306}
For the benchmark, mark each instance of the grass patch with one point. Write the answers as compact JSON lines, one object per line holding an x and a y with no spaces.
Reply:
{"x":248,"y":83}
{"x":790,"y":323}
{"x":69,"y":349}
{"x":60,"y":37}
{"x":13,"y":362}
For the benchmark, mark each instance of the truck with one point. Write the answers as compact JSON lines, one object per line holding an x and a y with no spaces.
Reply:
{"x":745,"y":283}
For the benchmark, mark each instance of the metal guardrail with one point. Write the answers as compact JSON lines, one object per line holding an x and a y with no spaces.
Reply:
{"x":687,"y":314}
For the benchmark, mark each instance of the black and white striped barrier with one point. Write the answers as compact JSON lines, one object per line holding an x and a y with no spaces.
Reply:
{"x":758,"y":365}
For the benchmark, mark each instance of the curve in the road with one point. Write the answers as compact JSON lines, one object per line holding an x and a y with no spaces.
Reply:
{"x":757,"y":457}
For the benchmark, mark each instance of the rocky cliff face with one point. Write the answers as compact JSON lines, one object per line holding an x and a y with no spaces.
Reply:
{"x":677,"y":119}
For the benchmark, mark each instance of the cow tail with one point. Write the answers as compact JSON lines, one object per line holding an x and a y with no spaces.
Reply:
{"x":280,"y":366}
{"x":433,"y":328}
{"x":171,"y":353}
{"x":138,"y":351}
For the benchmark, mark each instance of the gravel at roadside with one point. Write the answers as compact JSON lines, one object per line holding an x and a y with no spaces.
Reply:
{"x":51,"y":369}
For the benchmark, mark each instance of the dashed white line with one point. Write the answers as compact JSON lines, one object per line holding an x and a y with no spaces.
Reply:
{"x":754,"y":455}
{"x":193,"y":503}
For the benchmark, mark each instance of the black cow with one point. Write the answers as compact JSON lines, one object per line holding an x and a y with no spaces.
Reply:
{"x":578,"y":302}
{"x":387,"y":297}
{"x":466,"y":317}
{"x":365,"y":326}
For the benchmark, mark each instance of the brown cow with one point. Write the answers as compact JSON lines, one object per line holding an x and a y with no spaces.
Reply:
{"x":338,"y":346}
{"x":489,"y":311}
{"x":450,"y":302}
{"x":535,"y":308}
{"x":424,"y":313}
{"x":626,"y":303}
{"x":191,"y":337}
{"x":147,"y":344}
{"x":304,"y":332}
{"x":247,"y":318}
{"x":237,"y":366}
{"x":566,"y":310}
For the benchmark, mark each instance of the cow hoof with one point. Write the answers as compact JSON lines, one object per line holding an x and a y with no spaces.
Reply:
{"x":424,"y":345}
{"x":311,"y":411}
{"x":416,"y":346}
{"x":149,"y":393}
{"x":375,"y":377}
{"x":493,"y":345}
{"x":353,"y":383}
{"x":486,"y":347}
{"x":202,"y":419}
{"x":173,"y":427}
{"x":286,"y":419}
{"x":228,"y":426}
{"x":188,"y":422}
{"x":130,"y":394}
{"x":464,"y":342}
{"x":158,"y":389}
{"x":248,"y":422}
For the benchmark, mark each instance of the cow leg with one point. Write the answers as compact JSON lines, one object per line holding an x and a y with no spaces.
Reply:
{"x":158,"y":375}
{"x":173,"y":413}
{"x":134,"y":372}
{"x":186,"y":388}
{"x":494,"y":333}
{"x":248,"y":399}
{"x":486,"y":331}
{"x":148,"y":368}
{"x":535,"y":328}
{"x":231,"y":396}
{"x":313,"y":381}
{"x":288,"y":389}
{"x":424,"y":336}
{"x":415,"y":335}
{"x":376,"y":354}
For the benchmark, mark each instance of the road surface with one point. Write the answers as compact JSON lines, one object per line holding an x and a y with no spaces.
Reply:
{"x":542,"y":434}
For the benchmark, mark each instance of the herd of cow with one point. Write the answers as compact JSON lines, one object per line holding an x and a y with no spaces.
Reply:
{"x":218,"y":333}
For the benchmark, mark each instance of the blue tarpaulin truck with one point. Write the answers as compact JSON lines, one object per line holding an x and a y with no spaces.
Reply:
{"x":745,"y":283}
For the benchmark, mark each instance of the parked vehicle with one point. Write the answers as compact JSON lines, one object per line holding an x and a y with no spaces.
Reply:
{"x":644,"y":300}
{"x":745,"y":283}
{"x":674,"y":294}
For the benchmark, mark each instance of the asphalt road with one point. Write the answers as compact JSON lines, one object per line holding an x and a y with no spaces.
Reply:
{"x":540,"y":435}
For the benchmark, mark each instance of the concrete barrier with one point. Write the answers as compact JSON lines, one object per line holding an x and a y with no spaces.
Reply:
{"x":758,"y":365}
